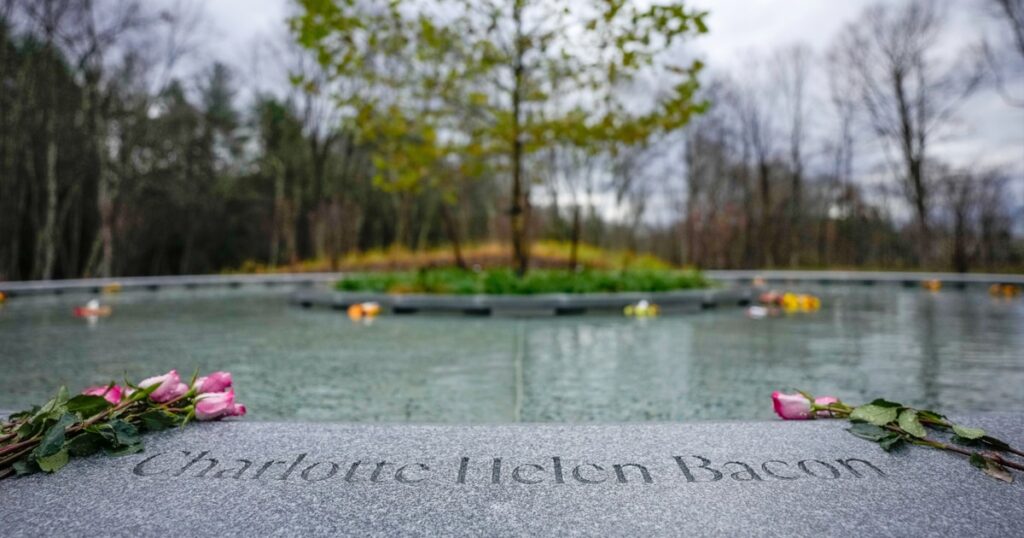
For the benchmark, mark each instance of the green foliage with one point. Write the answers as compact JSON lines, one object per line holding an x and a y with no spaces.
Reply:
{"x":45,"y":438}
{"x":968,"y":433}
{"x":868,"y":431}
{"x":506,"y":282}
{"x":893,"y":425}
{"x":481,"y":90}
{"x":909,"y":422}
{"x":875,"y":414}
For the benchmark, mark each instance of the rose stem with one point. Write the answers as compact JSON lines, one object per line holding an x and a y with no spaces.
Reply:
{"x":9,"y":459}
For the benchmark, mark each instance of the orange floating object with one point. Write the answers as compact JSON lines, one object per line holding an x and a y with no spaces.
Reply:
{"x":932,"y":285}
{"x":359,"y":311}
{"x":355,"y":312}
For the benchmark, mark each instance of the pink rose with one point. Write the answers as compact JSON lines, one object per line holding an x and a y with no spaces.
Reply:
{"x":217,"y":405}
{"x":825,"y":400}
{"x":215,"y":382}
{"x":111,"y":394}
{"x":170,"y":387}
{"x":798,"y":407}
{"x":791,"y":406}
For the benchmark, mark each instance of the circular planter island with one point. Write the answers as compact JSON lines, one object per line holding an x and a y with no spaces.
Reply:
{"x":546,"y":304}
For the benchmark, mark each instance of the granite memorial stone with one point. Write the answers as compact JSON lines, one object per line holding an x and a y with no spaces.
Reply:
{"x":727,"y":478}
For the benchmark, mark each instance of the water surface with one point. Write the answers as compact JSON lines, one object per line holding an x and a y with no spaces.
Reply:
{"x":958,"y":351}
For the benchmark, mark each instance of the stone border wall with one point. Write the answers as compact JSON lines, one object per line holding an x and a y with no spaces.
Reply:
{"x":155,"y":283}
{"x":555,"y":304}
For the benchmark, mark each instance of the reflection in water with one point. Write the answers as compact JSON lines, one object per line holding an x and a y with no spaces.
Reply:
{"x":958,"y":351}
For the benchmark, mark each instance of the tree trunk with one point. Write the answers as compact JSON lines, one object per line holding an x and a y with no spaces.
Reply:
{"x":279,"y":212}
{"x":105,"y":204}
{"x":333,"y":232}
{"x":453,"y":235}
{"x":796,"y":235}
{"x":767,"y":243}
{"x":46,"y":240}
{"x":520,"y":196}
{"x":575,"y":238}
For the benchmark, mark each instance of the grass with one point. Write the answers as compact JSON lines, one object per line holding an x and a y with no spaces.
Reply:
{"x":501,"y":281}
{"x":543,"y":255}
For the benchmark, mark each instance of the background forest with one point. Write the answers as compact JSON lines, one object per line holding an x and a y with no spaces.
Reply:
{"x":425,"y":124}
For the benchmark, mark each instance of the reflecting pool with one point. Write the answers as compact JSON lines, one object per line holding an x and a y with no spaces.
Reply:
{"x":958,"y":351}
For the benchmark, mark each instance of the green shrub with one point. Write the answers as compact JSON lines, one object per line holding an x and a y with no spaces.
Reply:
{"x":505,"y":281}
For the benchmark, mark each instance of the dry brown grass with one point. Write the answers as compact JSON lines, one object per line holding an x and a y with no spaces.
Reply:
{"x":544,"y":254}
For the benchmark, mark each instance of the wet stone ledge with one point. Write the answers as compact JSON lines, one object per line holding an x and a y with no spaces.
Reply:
{"x":528,"y":305}
{"x":703,"y":479}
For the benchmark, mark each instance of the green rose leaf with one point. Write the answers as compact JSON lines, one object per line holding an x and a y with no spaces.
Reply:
{"x":991,"y":468}
{"x":884,"y":403}
{"x":998,"y":472}
{"x":86,"y":406}
{"x":930,"y":415}
{"x":909,"y":423}
{"x":124,"y":450}
{"x":85,"y":444}
{"x":53,"y":462}
{"x":995,"y":443}
{"x":875,"y":414}
{"x":891,"y":442}
{"x":53,"y":440}
{"x":125,"y":433}
{"x":157,"y":420}
{"x":968,"y":433}
{"x":103,"y":430}
{"x":30,"y":429}
{"x":54,"y":408}
{"x":868,"y":431}
{"x":24,"y":467}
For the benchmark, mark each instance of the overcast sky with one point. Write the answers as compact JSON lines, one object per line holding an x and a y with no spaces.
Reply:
{"x":988,"y":132}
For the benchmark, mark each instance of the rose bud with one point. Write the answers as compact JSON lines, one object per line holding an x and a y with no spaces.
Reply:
{"x":791,"y":406}
{"x":217,"y":405}
{"x":111,"y":394}
{"x":215,"y":382}
{"x":170,"y":387}
{"x":825,"y":400}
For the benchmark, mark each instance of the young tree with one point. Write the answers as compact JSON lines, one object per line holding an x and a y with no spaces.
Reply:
{"x":517,"y":52}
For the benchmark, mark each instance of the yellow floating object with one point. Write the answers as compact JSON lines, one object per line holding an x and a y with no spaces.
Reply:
{"x":799,"y":302}
{"x":932,"y":285}
{"x":113,"y":287}
{"x":3,"y":296}
{"x":1004,"y":290}
{"x":642,"y":309}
